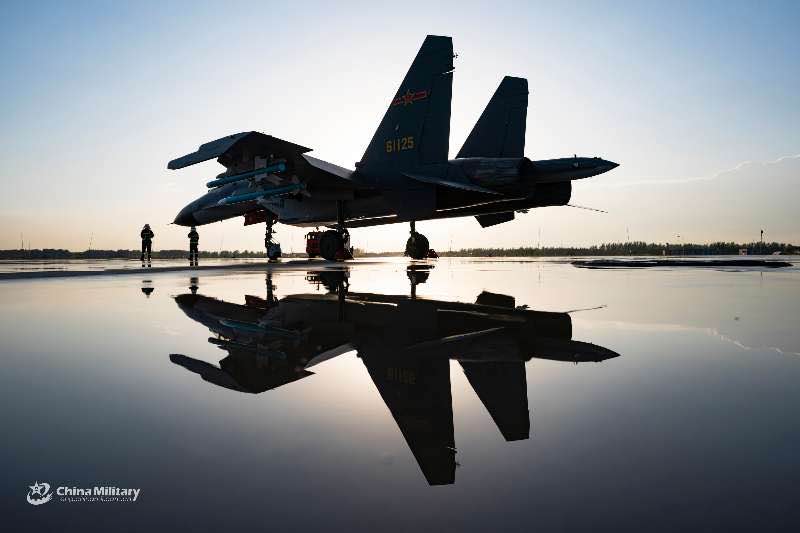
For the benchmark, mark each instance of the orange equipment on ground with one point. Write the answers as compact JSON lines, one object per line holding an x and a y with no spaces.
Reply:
{"x":312,"y":243}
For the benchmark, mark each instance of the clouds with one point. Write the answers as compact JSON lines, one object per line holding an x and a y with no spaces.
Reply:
{"x":731,"y":206}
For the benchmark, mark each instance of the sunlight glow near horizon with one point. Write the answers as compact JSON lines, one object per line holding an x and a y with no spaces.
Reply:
{"x":96,"y":101}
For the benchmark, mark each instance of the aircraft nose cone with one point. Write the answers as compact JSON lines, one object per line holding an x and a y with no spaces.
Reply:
{"x":185,"y":217}
{"x":609,"y":165}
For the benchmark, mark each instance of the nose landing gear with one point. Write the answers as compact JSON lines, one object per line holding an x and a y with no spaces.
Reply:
{"x":273,"y":248}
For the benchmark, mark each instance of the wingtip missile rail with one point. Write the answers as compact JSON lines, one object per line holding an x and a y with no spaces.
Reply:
{"x":277,"y":167}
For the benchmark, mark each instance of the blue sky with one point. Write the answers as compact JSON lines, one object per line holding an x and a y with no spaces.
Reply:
{"x":96,"y":97}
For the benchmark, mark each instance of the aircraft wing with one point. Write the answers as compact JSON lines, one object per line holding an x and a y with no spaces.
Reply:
{"x":207,"y":371}
{"x":244,"y":152}
{"x":239,"y":151}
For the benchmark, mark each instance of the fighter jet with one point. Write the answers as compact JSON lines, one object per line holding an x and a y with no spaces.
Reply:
{"x":405,"y":174}
{"x":406,"y":345}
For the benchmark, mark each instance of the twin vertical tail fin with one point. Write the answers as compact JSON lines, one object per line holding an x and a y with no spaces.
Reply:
{"x":416,"y":128}
{"x":500,"y":131}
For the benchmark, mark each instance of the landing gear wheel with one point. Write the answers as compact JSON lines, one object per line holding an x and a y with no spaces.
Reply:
{"x":273,"y":251}
{"x":273,"y":248}
{"x":417,"y":246}
{"x":330,"y":243}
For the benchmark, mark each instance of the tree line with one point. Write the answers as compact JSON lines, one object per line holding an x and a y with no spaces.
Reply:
{"x":634,"y":248}
{"x":58,"y":253}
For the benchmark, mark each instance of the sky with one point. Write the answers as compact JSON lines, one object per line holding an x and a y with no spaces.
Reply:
{"x":697,"y":101}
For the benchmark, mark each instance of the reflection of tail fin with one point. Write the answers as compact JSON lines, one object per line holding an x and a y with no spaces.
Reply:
{"x":501,"y":386}
{"x":500,"y":132}
{"x":416,"y":127}
{"x":417,"y":392}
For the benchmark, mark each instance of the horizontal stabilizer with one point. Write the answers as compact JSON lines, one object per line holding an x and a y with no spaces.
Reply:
{"x":500,"y":131}
{"x":453,"y":341}
{"x":239,"y":147}
{"x":452,"y":184}
{"x":492,"y":220}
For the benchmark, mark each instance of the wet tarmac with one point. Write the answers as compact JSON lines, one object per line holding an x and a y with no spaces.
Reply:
{"x":459,"y":394}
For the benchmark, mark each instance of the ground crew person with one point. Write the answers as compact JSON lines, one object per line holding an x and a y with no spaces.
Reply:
{"x":147,"y":243}
{"x":194,"y":241}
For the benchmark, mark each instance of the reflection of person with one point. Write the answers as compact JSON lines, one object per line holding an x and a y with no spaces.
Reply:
{"x":194,"y":283}
{"x":147,"y":287}
{"x":194,"y":241}
{"x":147,"y":242}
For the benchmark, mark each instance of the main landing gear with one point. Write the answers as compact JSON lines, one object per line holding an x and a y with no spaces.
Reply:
{"x":273,"y":248}
{"x":417,"y":246}
{"x":334,"y":244}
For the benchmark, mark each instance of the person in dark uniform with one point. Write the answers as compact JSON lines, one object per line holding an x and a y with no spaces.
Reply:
{"x":194,"y":242}
{"x":147,"y":243}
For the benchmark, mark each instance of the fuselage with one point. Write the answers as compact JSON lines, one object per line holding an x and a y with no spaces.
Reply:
{"x":474,"y":186}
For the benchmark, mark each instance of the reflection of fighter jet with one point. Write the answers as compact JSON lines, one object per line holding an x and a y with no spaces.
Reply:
{"x":406,"y":345}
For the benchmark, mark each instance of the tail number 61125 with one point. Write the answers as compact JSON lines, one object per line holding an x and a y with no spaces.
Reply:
{"x":399,"y":144}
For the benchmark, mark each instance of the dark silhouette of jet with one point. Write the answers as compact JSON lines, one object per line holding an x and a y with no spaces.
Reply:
{"x":405,"y":174}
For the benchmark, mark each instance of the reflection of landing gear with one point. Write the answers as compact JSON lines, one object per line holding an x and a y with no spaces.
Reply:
{"x":271,"y":300}
{"x":334,"y":244}
{"x":417,"y":274}
{"x":333,"y":280}
{"x":417,"y":246}
{"x":273,"y":248}
{"x":256,"y":302}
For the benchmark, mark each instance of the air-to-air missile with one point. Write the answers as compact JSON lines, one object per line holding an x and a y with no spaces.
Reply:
{"x":264,"y":193}
{"x":224,"y":180}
